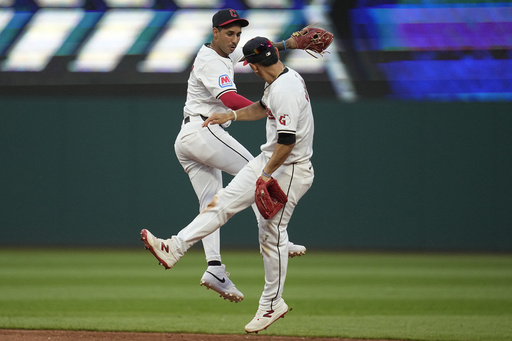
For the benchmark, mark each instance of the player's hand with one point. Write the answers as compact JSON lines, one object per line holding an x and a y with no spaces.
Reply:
{"x":218,"y":118}
{"x":269,"y":197}
{"x":291,"y":44}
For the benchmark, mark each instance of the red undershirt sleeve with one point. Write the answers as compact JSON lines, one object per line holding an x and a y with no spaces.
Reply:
{"x":234,"y":101}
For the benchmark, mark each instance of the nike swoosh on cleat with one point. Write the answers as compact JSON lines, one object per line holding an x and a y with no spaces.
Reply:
{"x":220,"y":280}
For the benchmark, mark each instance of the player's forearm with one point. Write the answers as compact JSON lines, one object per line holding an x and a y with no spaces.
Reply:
{"x":279,"y":156}
{"x":288,"y":44}
{"x":252,"y":112}
{"x":234,"y":101}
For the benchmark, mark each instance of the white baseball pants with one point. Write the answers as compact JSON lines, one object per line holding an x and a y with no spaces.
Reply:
{"x":295,"y":180}
{"x":204,"y":153}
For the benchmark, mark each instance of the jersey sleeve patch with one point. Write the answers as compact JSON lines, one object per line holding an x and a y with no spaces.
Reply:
{"x":225,"y":81}
{"x":285,"y":120}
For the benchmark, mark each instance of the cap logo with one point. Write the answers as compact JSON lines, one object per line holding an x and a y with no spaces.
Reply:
{"x":226,"y":17}
{"x":262,"y":48}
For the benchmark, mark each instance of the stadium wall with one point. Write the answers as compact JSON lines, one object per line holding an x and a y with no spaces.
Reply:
{"x":93,"y":171}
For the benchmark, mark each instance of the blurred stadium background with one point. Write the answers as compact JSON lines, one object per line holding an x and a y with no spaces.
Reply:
{"x":413,"y":138}
{"x":406,"y":49}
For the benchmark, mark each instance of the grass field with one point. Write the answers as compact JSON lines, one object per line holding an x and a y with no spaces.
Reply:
{"x":349,"y":295}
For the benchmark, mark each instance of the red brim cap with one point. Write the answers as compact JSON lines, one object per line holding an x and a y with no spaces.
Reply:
{"x":243,"y":22}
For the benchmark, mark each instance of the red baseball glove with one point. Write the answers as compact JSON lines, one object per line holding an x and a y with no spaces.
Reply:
{"x":313,"y":39}
{"x":269,"y":197}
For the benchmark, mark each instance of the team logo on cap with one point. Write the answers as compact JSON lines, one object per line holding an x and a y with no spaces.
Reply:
{"x":225,"y":81}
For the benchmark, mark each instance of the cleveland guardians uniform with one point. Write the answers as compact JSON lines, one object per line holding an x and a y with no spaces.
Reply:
{"x":206,"y":152}
{"x":287,"y":109}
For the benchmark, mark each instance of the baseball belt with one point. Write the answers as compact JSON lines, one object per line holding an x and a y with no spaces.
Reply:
{"x":187,"y":119}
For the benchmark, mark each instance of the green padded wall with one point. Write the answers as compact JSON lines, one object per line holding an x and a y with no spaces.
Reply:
{"x":82,"y":171}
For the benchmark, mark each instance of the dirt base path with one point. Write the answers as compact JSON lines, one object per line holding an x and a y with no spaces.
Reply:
{"x":65,"y":335}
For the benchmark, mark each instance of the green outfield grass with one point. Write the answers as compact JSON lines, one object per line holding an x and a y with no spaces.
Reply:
{"x":349,"y":295}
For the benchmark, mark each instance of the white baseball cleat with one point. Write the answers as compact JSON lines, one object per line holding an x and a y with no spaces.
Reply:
{"x":163,"y":249}
{"x":295,"y":250}
{"x":216,"y":278}
{"x":264,"y":317}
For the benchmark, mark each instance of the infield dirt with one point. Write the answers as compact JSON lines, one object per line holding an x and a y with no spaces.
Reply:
{"x":66,"y":335}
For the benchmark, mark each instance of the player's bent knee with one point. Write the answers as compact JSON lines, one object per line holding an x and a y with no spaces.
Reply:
{"x":211,"y":205}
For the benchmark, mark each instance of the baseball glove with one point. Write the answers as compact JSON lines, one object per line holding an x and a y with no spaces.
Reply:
{"x":313,"y":39}
{"x":269,"y":197}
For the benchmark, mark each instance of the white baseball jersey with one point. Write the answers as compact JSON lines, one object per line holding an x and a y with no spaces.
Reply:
{"x":289,"y":111}
{"x":212,"y":75}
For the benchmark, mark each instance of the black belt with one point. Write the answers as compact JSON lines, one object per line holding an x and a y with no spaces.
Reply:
{"x":187,"y":119}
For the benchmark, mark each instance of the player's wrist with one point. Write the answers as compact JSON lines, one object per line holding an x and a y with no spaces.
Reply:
{"x":290,"y":43}
{"x":235,"y":116}
{"x":265,"y":174}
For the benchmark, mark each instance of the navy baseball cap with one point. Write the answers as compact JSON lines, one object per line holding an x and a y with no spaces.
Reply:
{"x":226,"y":17}
{"x":258,"y":49}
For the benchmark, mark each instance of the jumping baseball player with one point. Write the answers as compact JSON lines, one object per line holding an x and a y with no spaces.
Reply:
{"x":284,"y":163}
{"x":206,"y":152}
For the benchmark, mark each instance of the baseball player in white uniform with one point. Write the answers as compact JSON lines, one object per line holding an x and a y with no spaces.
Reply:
{"x":285,"y":157}
{"x":206,"y":152}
